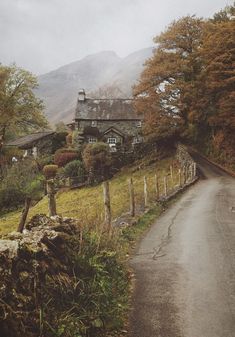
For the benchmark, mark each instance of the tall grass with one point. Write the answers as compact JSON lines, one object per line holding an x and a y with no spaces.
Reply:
{"x":86,"y":204}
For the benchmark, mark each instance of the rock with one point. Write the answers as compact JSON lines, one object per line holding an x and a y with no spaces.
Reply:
{"x":9,"y":248}
{"x":29,"y":263}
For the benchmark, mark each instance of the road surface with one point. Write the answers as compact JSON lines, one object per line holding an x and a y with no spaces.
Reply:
{"x":185,"y":265}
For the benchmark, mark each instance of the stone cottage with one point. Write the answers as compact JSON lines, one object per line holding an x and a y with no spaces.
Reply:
{"x":113,"y":121}
{"x":39,"y":143}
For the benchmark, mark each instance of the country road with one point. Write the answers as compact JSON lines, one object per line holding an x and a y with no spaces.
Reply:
{"x":185,"y":265}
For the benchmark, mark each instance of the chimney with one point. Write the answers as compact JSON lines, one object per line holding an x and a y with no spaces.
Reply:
{"x":81,"y":95}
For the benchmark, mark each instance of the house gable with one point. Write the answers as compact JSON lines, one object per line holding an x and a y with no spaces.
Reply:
{"x":108,"y":120}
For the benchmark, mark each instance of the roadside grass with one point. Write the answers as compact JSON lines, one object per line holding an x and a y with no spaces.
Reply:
{"x":86,"y":204}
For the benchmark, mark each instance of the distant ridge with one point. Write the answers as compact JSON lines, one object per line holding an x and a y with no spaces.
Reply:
{"x":96,"y":73}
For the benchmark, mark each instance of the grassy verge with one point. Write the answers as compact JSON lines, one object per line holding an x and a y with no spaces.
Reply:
{"x":86,"y":204}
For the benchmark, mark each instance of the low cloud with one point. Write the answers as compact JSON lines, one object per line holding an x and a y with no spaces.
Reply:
{"x":43,"y":35}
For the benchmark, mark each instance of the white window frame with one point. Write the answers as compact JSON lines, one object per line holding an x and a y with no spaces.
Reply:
{"x":139,"y":124}
{"x":92,"y":140}
{"x":112,"y":140}
{"x":93,"y":124}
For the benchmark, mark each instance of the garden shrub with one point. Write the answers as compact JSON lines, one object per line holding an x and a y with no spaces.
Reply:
{"x":65,"y":155}
{"x":45,"y":160}
{"x":74,"y":169}
{"x":50,"y":171}
{"x":97,"y":157}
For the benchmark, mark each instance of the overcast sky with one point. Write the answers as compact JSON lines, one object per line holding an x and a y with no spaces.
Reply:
{"x":41,"y":35}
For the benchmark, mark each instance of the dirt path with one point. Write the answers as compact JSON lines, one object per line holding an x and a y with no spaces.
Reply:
{"x":185,"y":265}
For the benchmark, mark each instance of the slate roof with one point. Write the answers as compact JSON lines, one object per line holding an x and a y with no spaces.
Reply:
{"x":106,"y":109}
{"x":29,"y":140}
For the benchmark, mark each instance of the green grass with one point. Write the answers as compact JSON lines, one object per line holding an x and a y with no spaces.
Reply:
{"x":86,"y":204}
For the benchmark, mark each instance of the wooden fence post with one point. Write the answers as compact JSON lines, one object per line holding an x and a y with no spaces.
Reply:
{"x":171,"y":170}
{"x":157,"y":186}
{"x":132,"y":197}
{"x":24,"y":215}
{"x":185,"y":174}
{"x":191,"y":172}
{"x":107,"y":206}
{"x":194,"y":169}
{"x":145,"y":192}
{"x":180,"y":178}
{"x":51,"y":197}
{"x":165,"y":186}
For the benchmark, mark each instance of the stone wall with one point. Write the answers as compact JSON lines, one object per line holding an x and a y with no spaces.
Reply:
{"x":29,"y":264}
{"x":183,"y":156}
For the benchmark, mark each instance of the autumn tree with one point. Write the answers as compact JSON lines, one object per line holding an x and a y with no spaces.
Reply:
{"x":218,"y":82}
{"x":187,"y":87}
{"x":168,"y":85}
{"x":20,"y":110}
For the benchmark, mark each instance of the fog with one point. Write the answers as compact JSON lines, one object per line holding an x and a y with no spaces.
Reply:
{"x":41,"y":35}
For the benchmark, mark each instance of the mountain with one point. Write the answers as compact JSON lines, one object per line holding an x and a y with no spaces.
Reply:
{"x":58,"y":89}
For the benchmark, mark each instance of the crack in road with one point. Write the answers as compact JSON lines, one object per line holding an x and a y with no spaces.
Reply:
{"x":165,"y":240}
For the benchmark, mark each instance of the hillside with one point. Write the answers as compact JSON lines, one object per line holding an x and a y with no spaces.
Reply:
{"x":58,"y":89}
{"x":73,"y":203}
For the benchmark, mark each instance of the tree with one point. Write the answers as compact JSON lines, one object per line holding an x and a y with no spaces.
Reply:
{"x":225,"y":14}
{"x":61,"y":127}
{"x":187,"y":87}
{"x":218,"y":81}
{"x":20,"y":110}
{"x":97,"y":159}
{"x":168,"y":85}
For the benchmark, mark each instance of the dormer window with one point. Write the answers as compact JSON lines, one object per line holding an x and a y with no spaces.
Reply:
{"x":94,"y":124}
{"x":139,"y":124}
{"x":112,"y":140}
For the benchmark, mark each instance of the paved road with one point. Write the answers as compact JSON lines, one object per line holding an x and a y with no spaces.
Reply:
{"x":185,"y":265}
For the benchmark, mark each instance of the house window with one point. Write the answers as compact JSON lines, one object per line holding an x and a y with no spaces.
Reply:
{"x":94,"y":124}
{"x":139,"y":124}
{"x":92,"y":140}
{"x":112,"y":140}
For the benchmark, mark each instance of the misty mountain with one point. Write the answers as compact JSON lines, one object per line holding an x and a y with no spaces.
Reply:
{"x":58,"y":89}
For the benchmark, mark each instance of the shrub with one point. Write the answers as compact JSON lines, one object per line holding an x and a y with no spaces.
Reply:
{"x":58,"y":140}
{"x":50,"y":171}
{"x":45,"y":160}
{"x":65,"y":155}
{"x":97,"y":157}
{"x":11,"y":196}
{"x":20,"y":181}
{"x":74,"y":169}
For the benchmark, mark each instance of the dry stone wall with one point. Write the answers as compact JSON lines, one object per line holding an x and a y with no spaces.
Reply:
{"x":183,"y":156}
{"x":33,"y":265}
